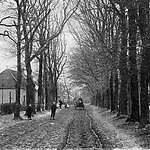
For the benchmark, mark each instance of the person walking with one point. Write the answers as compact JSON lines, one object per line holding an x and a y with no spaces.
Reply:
{"x":53,"y":111}
{"x":60,"y":103}
{"x":29,"y":111}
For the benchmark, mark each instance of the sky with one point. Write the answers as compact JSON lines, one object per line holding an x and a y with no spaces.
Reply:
{"x":9,"y":62}
{"x":6,"y":61}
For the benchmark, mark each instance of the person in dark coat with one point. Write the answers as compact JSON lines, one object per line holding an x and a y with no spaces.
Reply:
{"x":53,"y":110}
{"x":29,"y":111}
{"x":60,"y":103}
{"x":80,"y":100}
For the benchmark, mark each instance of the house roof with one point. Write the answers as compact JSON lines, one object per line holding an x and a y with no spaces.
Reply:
{"x":8,"y":79}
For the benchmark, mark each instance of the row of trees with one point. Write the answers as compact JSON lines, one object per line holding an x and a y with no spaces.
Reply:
{"x":111,"y":59}
{"x":35,"y":28}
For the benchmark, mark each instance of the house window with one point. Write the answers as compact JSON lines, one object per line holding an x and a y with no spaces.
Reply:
{"x":9,"y":97}
{"x":24,"y":100}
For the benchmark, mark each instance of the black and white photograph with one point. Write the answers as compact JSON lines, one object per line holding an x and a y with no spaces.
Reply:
{"x":74,"y":74}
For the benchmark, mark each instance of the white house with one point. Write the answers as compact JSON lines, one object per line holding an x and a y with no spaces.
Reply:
{"x":8,"y":80}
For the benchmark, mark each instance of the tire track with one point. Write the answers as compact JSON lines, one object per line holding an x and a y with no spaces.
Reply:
{"x":80,"y":133}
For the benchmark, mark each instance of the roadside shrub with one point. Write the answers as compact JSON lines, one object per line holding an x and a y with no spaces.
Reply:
{"x":7,"y":108}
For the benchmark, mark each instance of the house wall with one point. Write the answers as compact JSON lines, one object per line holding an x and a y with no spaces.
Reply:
{"x":5,"y":94}
{"x":9,"y":95}
{"x":23,"y":97}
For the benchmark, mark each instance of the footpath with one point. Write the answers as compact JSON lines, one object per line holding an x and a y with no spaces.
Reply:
{"x":127,"y":136}
{"x":40,"y":133}
{"x":116,"y":130}
{"x":7,"y":120}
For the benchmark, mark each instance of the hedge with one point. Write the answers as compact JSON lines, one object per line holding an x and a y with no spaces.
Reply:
{"x":7,"y":108}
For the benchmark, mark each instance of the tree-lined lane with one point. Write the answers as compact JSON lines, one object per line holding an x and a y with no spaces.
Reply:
{"x":42,"y":133}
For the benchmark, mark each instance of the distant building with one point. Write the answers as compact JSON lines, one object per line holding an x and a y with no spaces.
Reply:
{"x":8,"y":80}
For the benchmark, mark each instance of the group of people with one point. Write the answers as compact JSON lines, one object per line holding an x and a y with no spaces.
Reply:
{"x":29,"y":110}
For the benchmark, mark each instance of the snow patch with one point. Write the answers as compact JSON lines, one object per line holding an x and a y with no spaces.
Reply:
{"x":129,"y":142}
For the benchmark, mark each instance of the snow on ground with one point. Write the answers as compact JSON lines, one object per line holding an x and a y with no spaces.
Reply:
{"x":110,"y":127}
{"x":7,"y":120}
{"x":115,"y":129}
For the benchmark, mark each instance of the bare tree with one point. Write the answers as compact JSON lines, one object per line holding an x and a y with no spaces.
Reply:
{"x":30,"y":19}
{"x":17,"y":26}
{"x":132,"y":14}
{"x":143,"y":23}
{"x":97,"y":24}
{"x":59,"y":23}
{"x":56,"y":60}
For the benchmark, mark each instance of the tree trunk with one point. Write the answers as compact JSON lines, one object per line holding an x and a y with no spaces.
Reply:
{"x":51,"y":94}
{"x":30,"y":88}
{"x":116,"y":91}
{"x":123,"y":66}
{"x":132,"y":12}
{"x":55,"y":75}
{"x":145,"y":65}
{"x":112,"y":93}
{"x":52,"y":88}
{"x":45,"y":82}
{"x":46,"y":89}
{"x":99,"y":97}
{"x":103,"y":99}
{"x":40,"y":86}
{"x":108,"y":99}
{"x":30,"y":93}
{"x":19,"y":74}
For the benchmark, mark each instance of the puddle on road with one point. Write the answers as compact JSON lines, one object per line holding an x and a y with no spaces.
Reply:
{"x":52,"y":123}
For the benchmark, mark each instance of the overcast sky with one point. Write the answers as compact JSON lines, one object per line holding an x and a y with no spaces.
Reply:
{"x":7,"y":61}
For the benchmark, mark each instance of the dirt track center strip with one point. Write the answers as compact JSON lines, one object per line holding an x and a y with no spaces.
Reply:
{"x":80,"y":133}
